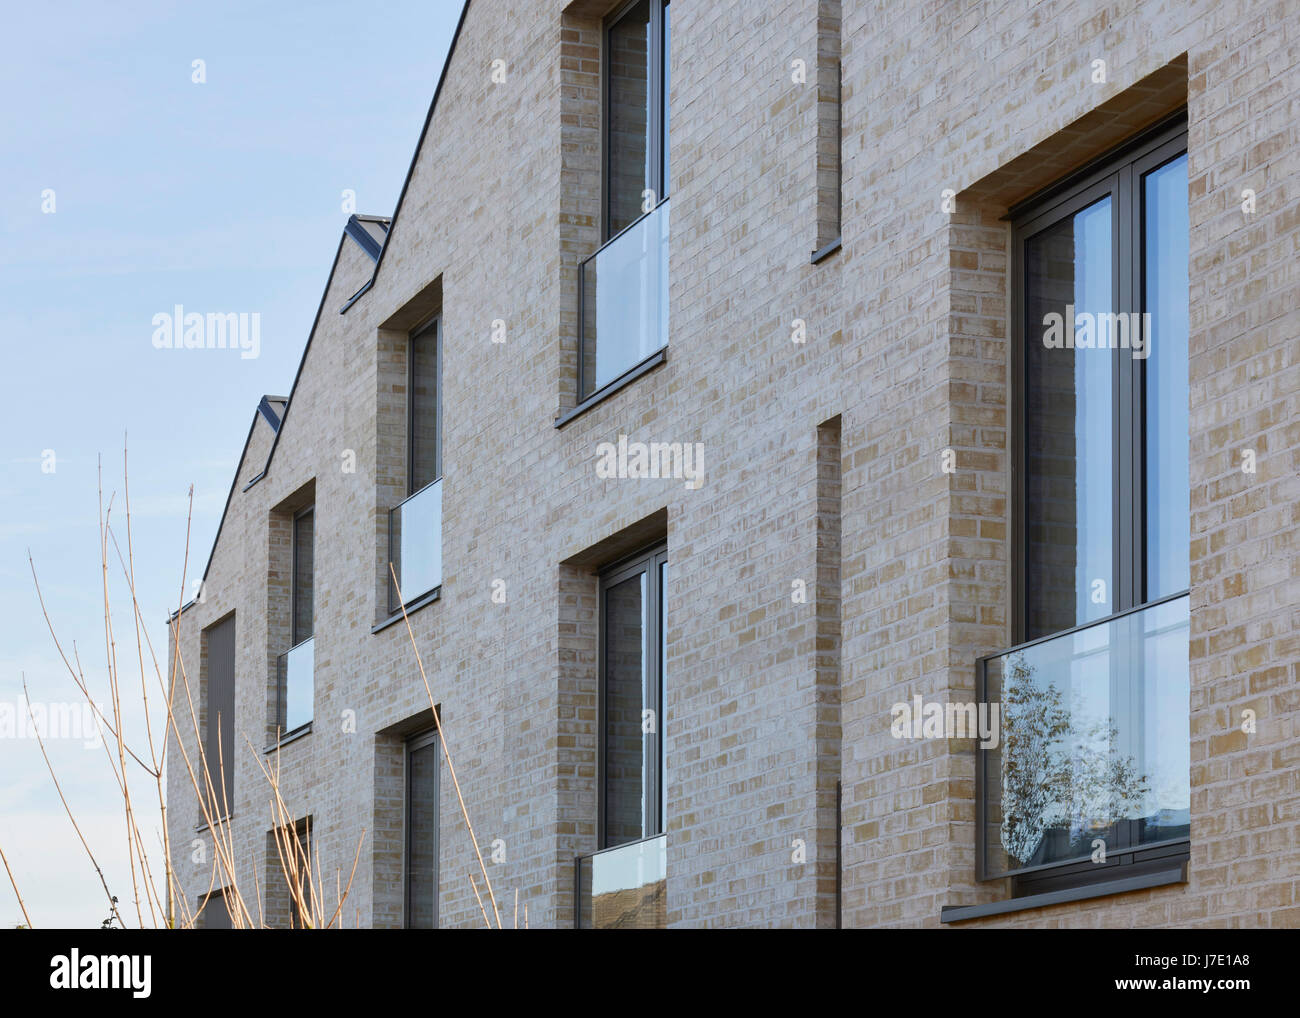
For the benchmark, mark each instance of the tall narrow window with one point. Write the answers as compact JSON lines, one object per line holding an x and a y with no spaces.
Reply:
{"x":425,"y":461}
{"x":297,"y":869}
{"x":1106,"y":520}
{"x":623,"y":286}
{"x":422,"y":832}
{"x":304,"y":600}
{"x":415,"y":525}
{"x":636,"y":132}
{"x":1094,"y":743}
{"x":216,"y":911}
{"x":633,"y":641}
{"x":297,"y":665}
{"x":1069,"y":450}
{"x":219,"y":745}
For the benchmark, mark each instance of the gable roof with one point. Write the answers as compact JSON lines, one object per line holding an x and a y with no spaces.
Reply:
{"x":274,"y":409}
{"x":410,"y":171}
{"x":370,"y":234}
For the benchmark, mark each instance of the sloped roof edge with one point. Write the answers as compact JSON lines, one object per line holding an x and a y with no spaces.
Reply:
{"x":410,"y":172}
{"x":265,"y":409}
{"x":276,"y":418}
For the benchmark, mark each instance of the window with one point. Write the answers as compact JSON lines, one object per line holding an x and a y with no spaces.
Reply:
{"x":289,"y":854}
{"x":415,"y":525}
{"x":219,"y":745}
{"x":424,"y":456}
{"x":303,"y":596}
{"x":215,"y":913}
{"x":296,"y":680}
{"x":636,"y":124}
{"x":623,"y":299}
{"x":422,"y":832}
{"x":1091,"y":775}
{"x":633,"y":647}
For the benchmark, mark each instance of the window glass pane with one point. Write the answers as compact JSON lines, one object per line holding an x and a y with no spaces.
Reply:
{"x":216,"y":912}
{"x":625,"y":667}
{"x":1069,"y":518}
{"x":662,"y":695}
{"x":304,"y":531}
{"x":666,"y":61}
{"x":424,"y":409}
{"x":219,"y":748}
{"x":422,"y":837}
{"x":1168,"y":510}
{"x":629,"y":116}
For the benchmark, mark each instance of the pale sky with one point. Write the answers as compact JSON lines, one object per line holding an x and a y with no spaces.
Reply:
{"x":221,"y":196}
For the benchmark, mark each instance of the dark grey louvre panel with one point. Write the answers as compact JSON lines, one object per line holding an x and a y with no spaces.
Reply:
{"x":221,"y":712}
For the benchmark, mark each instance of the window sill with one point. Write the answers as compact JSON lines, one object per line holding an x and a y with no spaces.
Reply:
{"x":822,"y":253}
{"x":411,"y":608}
{"x":289,"y":737}
{"x":626,"y":378}
{"x":202,"y":825}
{"x":1176,"y":874}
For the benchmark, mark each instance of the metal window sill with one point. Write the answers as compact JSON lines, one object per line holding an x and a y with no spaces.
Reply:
{"x":626,"y":378}
{"x":289,"y":737}
{"x":411,"y":608}
{"x":822,"y":253}
{"x":202,"y":825}
{"x":1161,"y":878}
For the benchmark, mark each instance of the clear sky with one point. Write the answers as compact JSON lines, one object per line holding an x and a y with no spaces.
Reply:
{"x":221,"y":196}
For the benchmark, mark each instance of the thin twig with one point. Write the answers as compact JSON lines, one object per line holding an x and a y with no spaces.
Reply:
{"x":18,"y":893}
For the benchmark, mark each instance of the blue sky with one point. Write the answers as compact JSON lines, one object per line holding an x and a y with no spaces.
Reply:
{"x":222,"y":196}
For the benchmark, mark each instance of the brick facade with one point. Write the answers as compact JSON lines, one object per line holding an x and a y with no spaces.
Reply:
{"x":823,"y":460}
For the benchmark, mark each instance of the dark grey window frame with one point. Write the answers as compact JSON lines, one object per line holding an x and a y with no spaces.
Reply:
{"x":295,"y":637}
{"x":301,"y":831}
{"x":224,"y":806}
{"x":417,"y":599}
{"x":648,"y":561}
{"x":658,"y":106}
{"x":216,"y":899}
{"x":416,"y":742}
{"x":434,"y":326}
{"x":1117,"y":173}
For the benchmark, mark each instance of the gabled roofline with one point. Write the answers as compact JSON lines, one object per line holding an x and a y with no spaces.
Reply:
{"x":265,"y":409}
{"x":419,"y":145}
{"x":366,"y":243}
{"x":273,"y":418}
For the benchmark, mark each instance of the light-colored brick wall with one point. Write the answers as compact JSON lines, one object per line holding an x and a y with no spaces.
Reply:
{"x":906,"y":341}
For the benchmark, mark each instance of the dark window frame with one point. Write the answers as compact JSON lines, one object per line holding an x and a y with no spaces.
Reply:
{"x":432,"y":326}
{"x":422,"y":740}
{"x":209,"y":904}
{"x":295,"y":637}
{"x":657,"y":109}
{"x":649,"y":561}
{"x":223,"y":763}
{"x":1119,"y":174}
{"x":300,"y":833}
